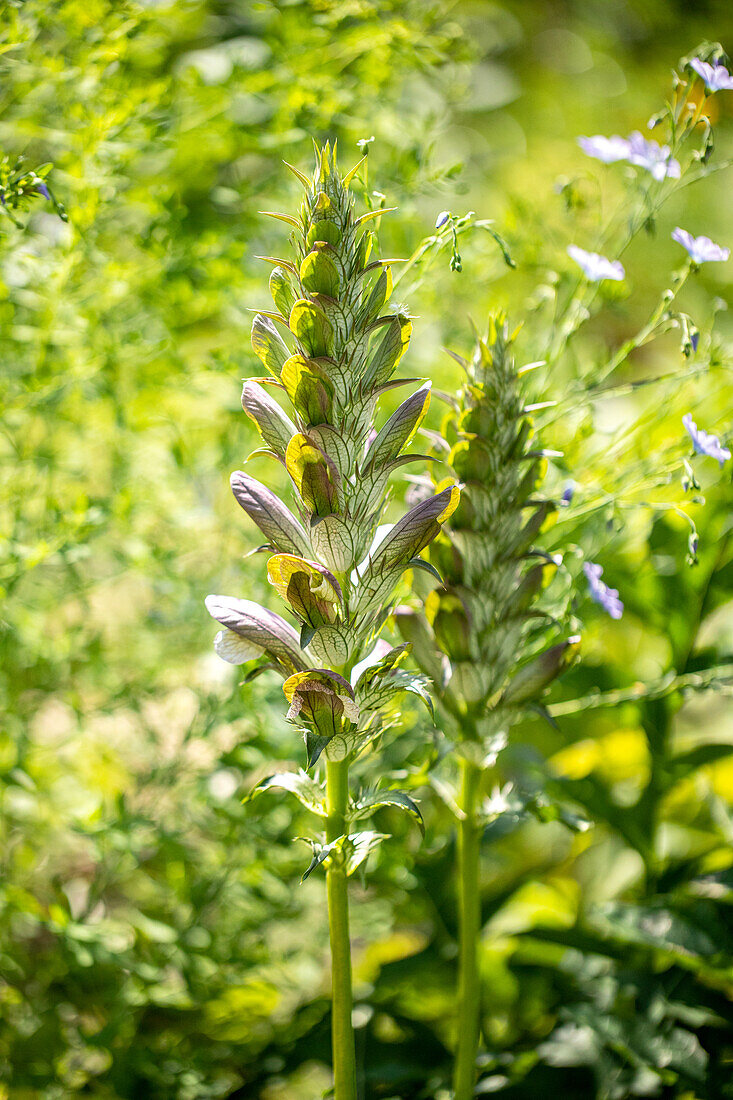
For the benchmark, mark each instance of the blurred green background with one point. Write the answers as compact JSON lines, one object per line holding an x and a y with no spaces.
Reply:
{"x":154,"y":940}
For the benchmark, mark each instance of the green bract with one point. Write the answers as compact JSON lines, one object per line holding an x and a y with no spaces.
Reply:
{"x":330,"y":347}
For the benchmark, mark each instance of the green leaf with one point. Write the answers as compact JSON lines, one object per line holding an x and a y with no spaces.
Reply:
{"x":321,"y":852}
{"x":365,"y":806}
{"x":357,"y":847}
{"x":426,"y":566}
{"x":305,"y":789}
{"x":537,"y":674}
{"x":378,"y":297}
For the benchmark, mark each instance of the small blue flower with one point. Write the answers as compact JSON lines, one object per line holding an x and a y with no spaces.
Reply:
{"x":604,"y":148}
{"x":594,"y":266}
{"x":605,"y":597}
{"x":703,"y":443}
{"x":701,"y":249}
{"x":656,"y":158}
{"x":43,"y":190}
{"x":716,"y":76}
{"x":568,"y":493}
{"x":442,"y":218}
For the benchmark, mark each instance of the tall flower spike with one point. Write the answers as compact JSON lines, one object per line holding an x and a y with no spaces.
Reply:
{"x":331,"y":347}
{"x":486,"y":639}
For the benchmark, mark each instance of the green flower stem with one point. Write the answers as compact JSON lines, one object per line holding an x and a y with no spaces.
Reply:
{"x":469,"y":920}
{"x":342,"y":1032}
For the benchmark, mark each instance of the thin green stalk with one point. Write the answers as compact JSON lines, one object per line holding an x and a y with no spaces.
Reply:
{"x":342,"y":1032}
{"x":469,"y":922}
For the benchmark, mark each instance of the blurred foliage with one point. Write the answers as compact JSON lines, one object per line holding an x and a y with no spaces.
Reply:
{"x":153,"y":939}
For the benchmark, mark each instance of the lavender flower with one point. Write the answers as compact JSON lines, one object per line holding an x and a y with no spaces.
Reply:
{"x":605,"y":597}
{"x":442,"y":218}
{"x":568,"y":493}
{"x":701,"y":249}
{"x":716,"y":76}
{"x":656,"y":158}
{"x":43,"y":190}
{"x":596,"y":267}
{"x":703,"y":443}
{"x":606,"y":149}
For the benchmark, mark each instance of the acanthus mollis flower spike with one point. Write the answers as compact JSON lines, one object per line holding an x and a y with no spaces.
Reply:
{"x":594,"y":266}
{"x":701,"y":250}
{"x":331,"y":347}
{"x":703,"y":443}
{"x":605,"y":597}
{"x":716,"y":76}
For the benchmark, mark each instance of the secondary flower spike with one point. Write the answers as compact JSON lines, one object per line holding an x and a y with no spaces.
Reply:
{"x":716,"y":77}
{"x":605,"y":597}
{"x":596,"y":267}
{"x":704,"y":443}
{"x":701,"y":249}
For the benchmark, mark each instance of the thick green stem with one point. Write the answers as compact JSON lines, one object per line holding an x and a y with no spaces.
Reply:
{"x":469,"y":926}
{"x":342,"y":1032}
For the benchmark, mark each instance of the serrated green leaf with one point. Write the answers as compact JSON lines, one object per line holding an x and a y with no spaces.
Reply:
{"x":400,"y":799}
{"x":357,"y":847}
{"x":305,"y":789}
